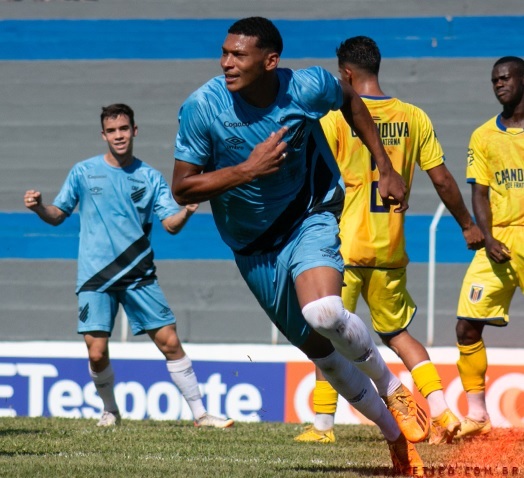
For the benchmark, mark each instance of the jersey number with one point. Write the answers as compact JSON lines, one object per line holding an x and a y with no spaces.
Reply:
{"x":375,"y":204}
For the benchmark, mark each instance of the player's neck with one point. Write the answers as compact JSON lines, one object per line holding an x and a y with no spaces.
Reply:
{"x":513,"y":116}
{"x":118,"y":161}
{"x":368,"y":88}
{"x":262,"y":93}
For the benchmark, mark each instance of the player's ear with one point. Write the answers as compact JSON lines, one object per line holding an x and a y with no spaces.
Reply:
{"x":348,"y":75}
{"x":272,"y":60}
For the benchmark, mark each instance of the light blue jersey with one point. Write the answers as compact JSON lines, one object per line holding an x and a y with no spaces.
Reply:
{"x":116,"y":207}
{"x":219,"y":129}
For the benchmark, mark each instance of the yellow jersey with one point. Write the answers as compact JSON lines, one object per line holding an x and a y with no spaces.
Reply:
{"x":496,"y":159}
{"x":370,"y":235}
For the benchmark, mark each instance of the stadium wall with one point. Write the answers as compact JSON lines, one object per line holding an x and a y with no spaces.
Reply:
{"x":249,"y":383}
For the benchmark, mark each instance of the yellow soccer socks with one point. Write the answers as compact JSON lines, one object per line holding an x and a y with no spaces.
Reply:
{"x":325,"y":398}
{"x":426,"y":378}
{"x":472,"y":365}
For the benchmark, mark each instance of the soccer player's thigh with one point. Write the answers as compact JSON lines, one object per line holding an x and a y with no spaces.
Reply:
{"x":96,"y":311}
{"x":269,"y":279}
{"x":390,"y":305}
{"x":516,"y":246}
{"x":352,"y":287}
{"x":487,"y":290}
{"x":146,"y":308}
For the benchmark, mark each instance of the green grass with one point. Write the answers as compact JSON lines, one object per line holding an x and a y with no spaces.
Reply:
{"x":55,"y":448}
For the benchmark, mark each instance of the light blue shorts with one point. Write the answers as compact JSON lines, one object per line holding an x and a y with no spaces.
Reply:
{"x":146,"y":309}
{"x":271,"y":277}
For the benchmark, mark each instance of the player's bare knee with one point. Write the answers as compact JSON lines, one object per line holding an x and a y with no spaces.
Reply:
{"x":98,"y":357}
{"x":391,"y":341}
{"x":170,"y":347}
{"x":389,"y":344}
{"x":98,"y":360}
{"x":167,"y":341}
{"x":468,"y":332}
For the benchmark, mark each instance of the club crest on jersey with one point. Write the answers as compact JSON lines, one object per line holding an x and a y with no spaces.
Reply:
{"x":475,"y":293}
{"x":83,"y":312}
{"x":138,"y":194}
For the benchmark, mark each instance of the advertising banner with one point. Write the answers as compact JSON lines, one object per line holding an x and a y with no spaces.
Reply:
{"x":249,"y":383}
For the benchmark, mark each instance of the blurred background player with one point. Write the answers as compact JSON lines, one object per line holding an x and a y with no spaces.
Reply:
{"x":372,"y":236}
{"x":495,"y":170}
{"x":244,"y":138}
{"x":117,"y":195}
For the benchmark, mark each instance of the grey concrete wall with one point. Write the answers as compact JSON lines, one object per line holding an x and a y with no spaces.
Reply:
{"x":242,"y":8}
{"x":211,"y":302}
{"x":49,"y":121}
{"x":51,"y":113}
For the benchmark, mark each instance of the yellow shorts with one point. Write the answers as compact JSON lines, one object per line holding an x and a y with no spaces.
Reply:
{"x":384,"y":290}
{"x":488,"y":287}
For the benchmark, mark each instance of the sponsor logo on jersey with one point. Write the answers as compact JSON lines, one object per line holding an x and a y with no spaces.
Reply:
{"x":475,"y":293}
{"x":390,"y":133}
{"x":471,"y":157}
{"x":238,"y":124}
{"x":165,"y":312}
{"x":329,"y":253}
{"x":234,"y":142}
{"x":135,"y":180}
{"x":95,"y":191}
{"x":511,"y":178}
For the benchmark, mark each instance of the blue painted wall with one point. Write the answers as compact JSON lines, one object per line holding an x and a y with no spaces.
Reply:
{"x":434,"y":37}
{"x":25,"y":236}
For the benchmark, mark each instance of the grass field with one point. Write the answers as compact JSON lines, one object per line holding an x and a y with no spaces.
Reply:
{"x":56,"y":448}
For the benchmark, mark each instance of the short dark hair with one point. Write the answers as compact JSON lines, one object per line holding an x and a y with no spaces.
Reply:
{"x":361,"y":51}
{"x":115,"y":110}
{"x":517,"y":61}
{"x":263,"y":29}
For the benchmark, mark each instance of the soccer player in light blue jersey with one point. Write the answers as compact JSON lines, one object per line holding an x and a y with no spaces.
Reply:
{"x":117,"y":195}
{"x":250,"y":141}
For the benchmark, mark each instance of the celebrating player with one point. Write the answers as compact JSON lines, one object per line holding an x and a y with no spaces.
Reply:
{"x":250,"y":141}
{"x":117,"y":195}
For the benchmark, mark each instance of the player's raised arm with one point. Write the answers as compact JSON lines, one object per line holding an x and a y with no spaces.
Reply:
{"x":391,"y":186}
{"x":175,"y":223}
{"x":47,"y":212}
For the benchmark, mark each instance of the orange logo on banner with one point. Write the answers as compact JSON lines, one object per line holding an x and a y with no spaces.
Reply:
{"x":504,"y":393}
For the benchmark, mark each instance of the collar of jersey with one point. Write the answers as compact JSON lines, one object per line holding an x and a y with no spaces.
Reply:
{"x":369,"y":97}
{"x":506,"y":129}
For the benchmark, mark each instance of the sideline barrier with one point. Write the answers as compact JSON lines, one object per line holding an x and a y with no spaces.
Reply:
{"x":249,"y":383}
